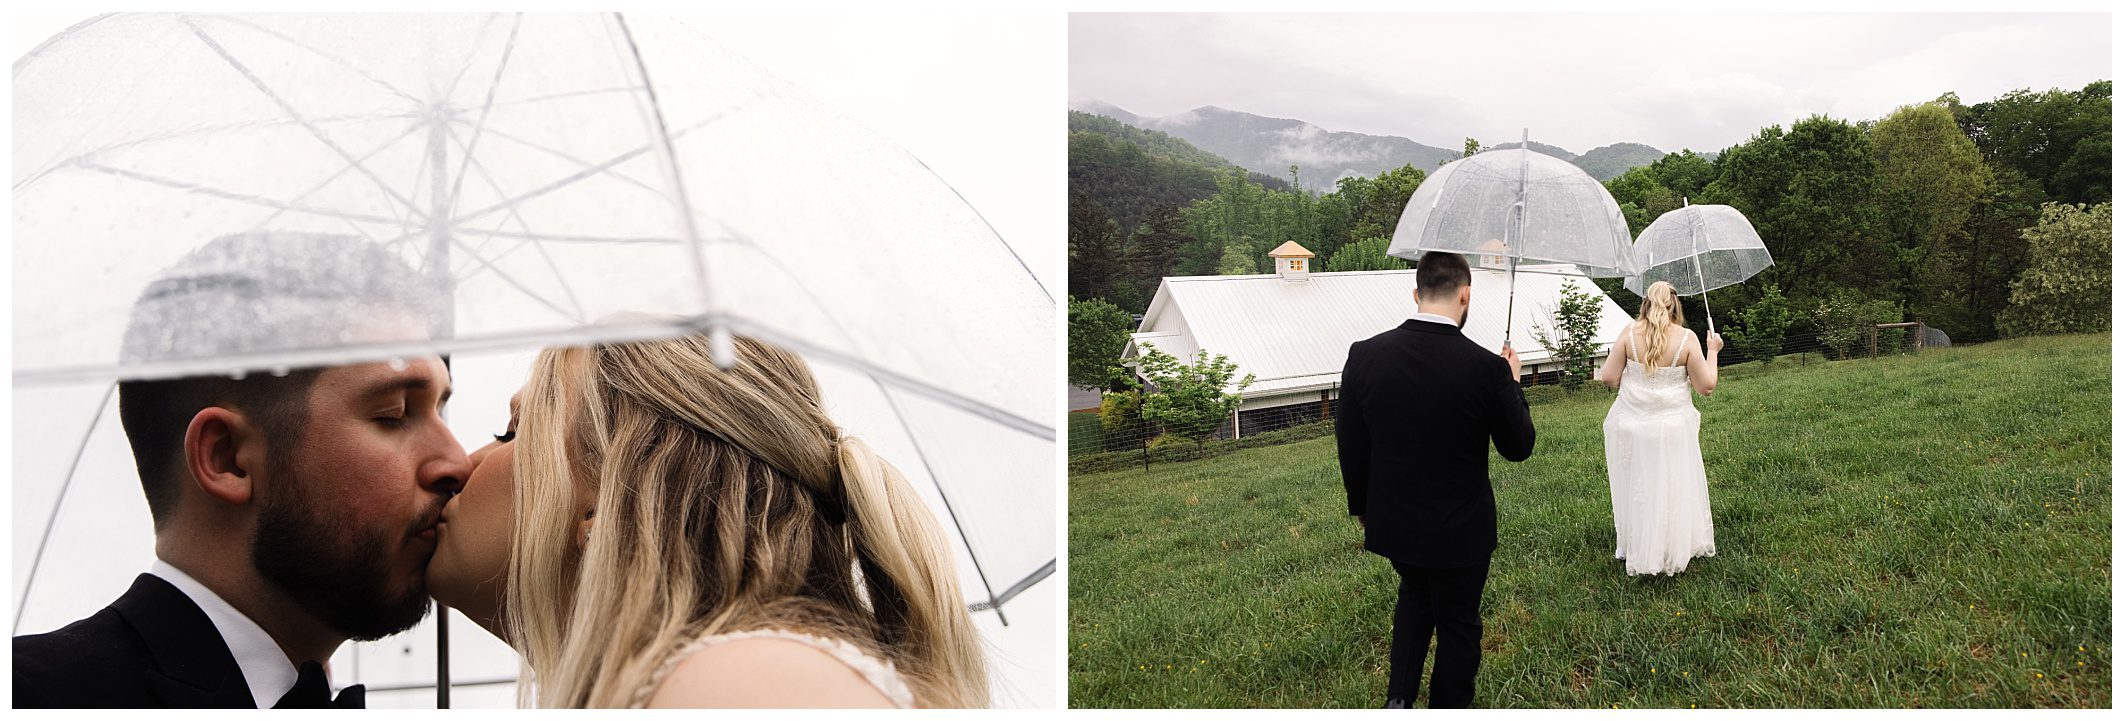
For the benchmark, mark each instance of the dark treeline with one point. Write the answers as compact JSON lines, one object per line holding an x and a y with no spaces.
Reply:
{"x":1920,"y":215}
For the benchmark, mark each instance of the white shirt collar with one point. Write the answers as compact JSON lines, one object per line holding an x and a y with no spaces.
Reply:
{"x":1435,"y":318}
{"x":265,"y":667}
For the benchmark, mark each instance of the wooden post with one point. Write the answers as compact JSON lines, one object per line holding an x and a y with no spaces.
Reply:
{"x":1235,"y":424}
{"x":1873,"y":342}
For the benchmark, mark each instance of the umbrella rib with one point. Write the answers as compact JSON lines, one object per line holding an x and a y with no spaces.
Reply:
{"x":1023,"y":584}
{"x":564,"y":156}
{"x":569,"y":292}
{"x":856,"y":359}
{"x":201,"y":130}
{"x":513,"y":282}
{"x":52,"y":520}
{"x":357,"y":70}
{"x":991,"y":232}
{"x":336,"y":175}
{"x":569,"y":94}
{"x":227,"y":195}
{"x":471,"y":52}
{"x":593,"y":169}
{"x":949,"y":512}
{"x":572,"y":238}
{"x":508,"y":50}
{"x":259,"y":84}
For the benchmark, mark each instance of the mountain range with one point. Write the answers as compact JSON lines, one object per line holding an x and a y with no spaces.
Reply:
{"x":1270,"y":146}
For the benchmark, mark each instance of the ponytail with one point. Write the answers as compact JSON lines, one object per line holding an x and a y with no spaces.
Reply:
{"x":911,"y":580}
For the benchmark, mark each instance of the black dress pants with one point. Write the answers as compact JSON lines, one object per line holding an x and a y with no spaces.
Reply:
{"x":1446,"y":600}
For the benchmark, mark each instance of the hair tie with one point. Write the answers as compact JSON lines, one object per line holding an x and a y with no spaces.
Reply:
{"x":830,"y":504}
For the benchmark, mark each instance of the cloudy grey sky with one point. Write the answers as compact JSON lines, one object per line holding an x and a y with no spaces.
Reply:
{"x":1702,"y":81}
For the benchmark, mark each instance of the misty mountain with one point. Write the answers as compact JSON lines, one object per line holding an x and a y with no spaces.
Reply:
{"x":1609,"y":161}
{"x":1271,"y":145}
{"x":1129,"y":171}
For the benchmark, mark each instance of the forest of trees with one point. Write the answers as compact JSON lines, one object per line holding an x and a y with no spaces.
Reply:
{"x":1924,"y":213}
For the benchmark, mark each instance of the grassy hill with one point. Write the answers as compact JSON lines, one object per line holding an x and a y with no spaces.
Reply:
{"x":1912,"y":531}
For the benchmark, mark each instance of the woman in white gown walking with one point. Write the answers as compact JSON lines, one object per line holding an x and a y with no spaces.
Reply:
{"x":1655,"y":465}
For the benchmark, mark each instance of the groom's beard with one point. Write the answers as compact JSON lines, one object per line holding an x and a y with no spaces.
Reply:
{"x":1464,"y":315}
{"x":335,"y":571}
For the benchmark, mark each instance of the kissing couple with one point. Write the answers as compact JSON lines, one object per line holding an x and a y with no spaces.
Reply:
{"x":648,"y":531}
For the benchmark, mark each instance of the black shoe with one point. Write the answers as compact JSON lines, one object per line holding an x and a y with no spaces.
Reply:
{"x":1397,"y":702}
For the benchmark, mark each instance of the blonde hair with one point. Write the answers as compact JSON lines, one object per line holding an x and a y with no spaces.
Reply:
{"x":724,"y":500}
{"x":1660,"y":313}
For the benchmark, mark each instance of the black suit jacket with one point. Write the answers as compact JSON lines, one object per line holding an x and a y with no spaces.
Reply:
{"x":152,"y":648}
{"x":1420,"y":406}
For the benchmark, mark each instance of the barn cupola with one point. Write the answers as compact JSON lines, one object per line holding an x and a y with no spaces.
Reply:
{"x":1292,"y":261}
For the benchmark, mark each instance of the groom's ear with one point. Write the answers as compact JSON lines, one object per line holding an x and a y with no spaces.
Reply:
{"x":222,"y":450}
{"x":1465,"y":292}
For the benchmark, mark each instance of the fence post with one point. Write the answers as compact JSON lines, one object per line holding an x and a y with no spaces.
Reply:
{"x":1143,"y":437}
{"x":1873,"y":342}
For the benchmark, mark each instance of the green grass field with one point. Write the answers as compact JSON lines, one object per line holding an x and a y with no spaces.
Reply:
{"x":1912,"y":531}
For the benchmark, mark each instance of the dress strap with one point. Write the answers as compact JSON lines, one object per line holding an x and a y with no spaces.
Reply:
{"x":1633,"y":345}
{"x":1680,"y":349}
{"x":879,"y":672}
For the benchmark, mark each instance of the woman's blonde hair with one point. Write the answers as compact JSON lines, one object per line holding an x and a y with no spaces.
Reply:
{"x":718,"y":501}
{"x":1661,"y":312}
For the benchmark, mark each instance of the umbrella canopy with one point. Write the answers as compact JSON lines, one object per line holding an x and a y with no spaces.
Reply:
{"x":1519,"y":204}
{"x":540,"y":173}
{"x":1697,"y":249}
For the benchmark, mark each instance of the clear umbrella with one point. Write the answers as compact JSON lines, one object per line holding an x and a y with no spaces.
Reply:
{"x":542,"y":172}
{"x":1519,"y":204}
{"x":1698,"y":249}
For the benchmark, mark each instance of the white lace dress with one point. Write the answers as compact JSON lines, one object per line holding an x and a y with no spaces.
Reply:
{"x":1656,"y":470}
{"x":879,"y":672}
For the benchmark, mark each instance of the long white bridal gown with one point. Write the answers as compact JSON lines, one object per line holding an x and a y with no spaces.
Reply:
{"x":1656,"y":469}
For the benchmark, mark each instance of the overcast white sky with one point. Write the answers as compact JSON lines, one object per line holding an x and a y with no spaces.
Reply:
{"x":1701,"y":81}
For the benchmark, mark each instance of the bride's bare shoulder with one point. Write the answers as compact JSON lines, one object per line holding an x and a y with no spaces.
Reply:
{"x":765,"y":672}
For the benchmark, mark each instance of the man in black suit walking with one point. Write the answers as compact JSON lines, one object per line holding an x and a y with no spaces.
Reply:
{"x":1420,"y":406}
{"x":293,"y":510}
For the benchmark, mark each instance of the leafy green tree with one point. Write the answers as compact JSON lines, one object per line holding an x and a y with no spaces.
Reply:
{"x":1367,"y":254}
{"x":1685,"y":173}
{"x":1969,"y":282}
{"x":1154,"y":251}
{"x":2057,"y":137}
{"x":1387,"y":197}
{"x":1120,"y":416}
{"x":1812,"y":195}
{"x":1764,"y":324}
{"x":1238,"y":260}
{"x":2066,"y":286}
{"x":1845,"y":320}
{"x":1094,"y":248}
{"x":1931,"y":175}
{"x":1573,"y":334}
{"x":1098,"y":332}
{"x":1190,"y":400}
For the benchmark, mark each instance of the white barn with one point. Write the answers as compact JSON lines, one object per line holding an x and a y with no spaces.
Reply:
{"x":1292,"y":329}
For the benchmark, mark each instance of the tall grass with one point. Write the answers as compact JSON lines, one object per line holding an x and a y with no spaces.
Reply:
{"x":1911,"y":531}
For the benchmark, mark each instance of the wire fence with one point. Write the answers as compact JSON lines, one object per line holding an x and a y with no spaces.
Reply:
{"x":1113,"y":436}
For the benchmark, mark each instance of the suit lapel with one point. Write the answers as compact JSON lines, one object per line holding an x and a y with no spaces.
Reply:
{"x":192,"y":664}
